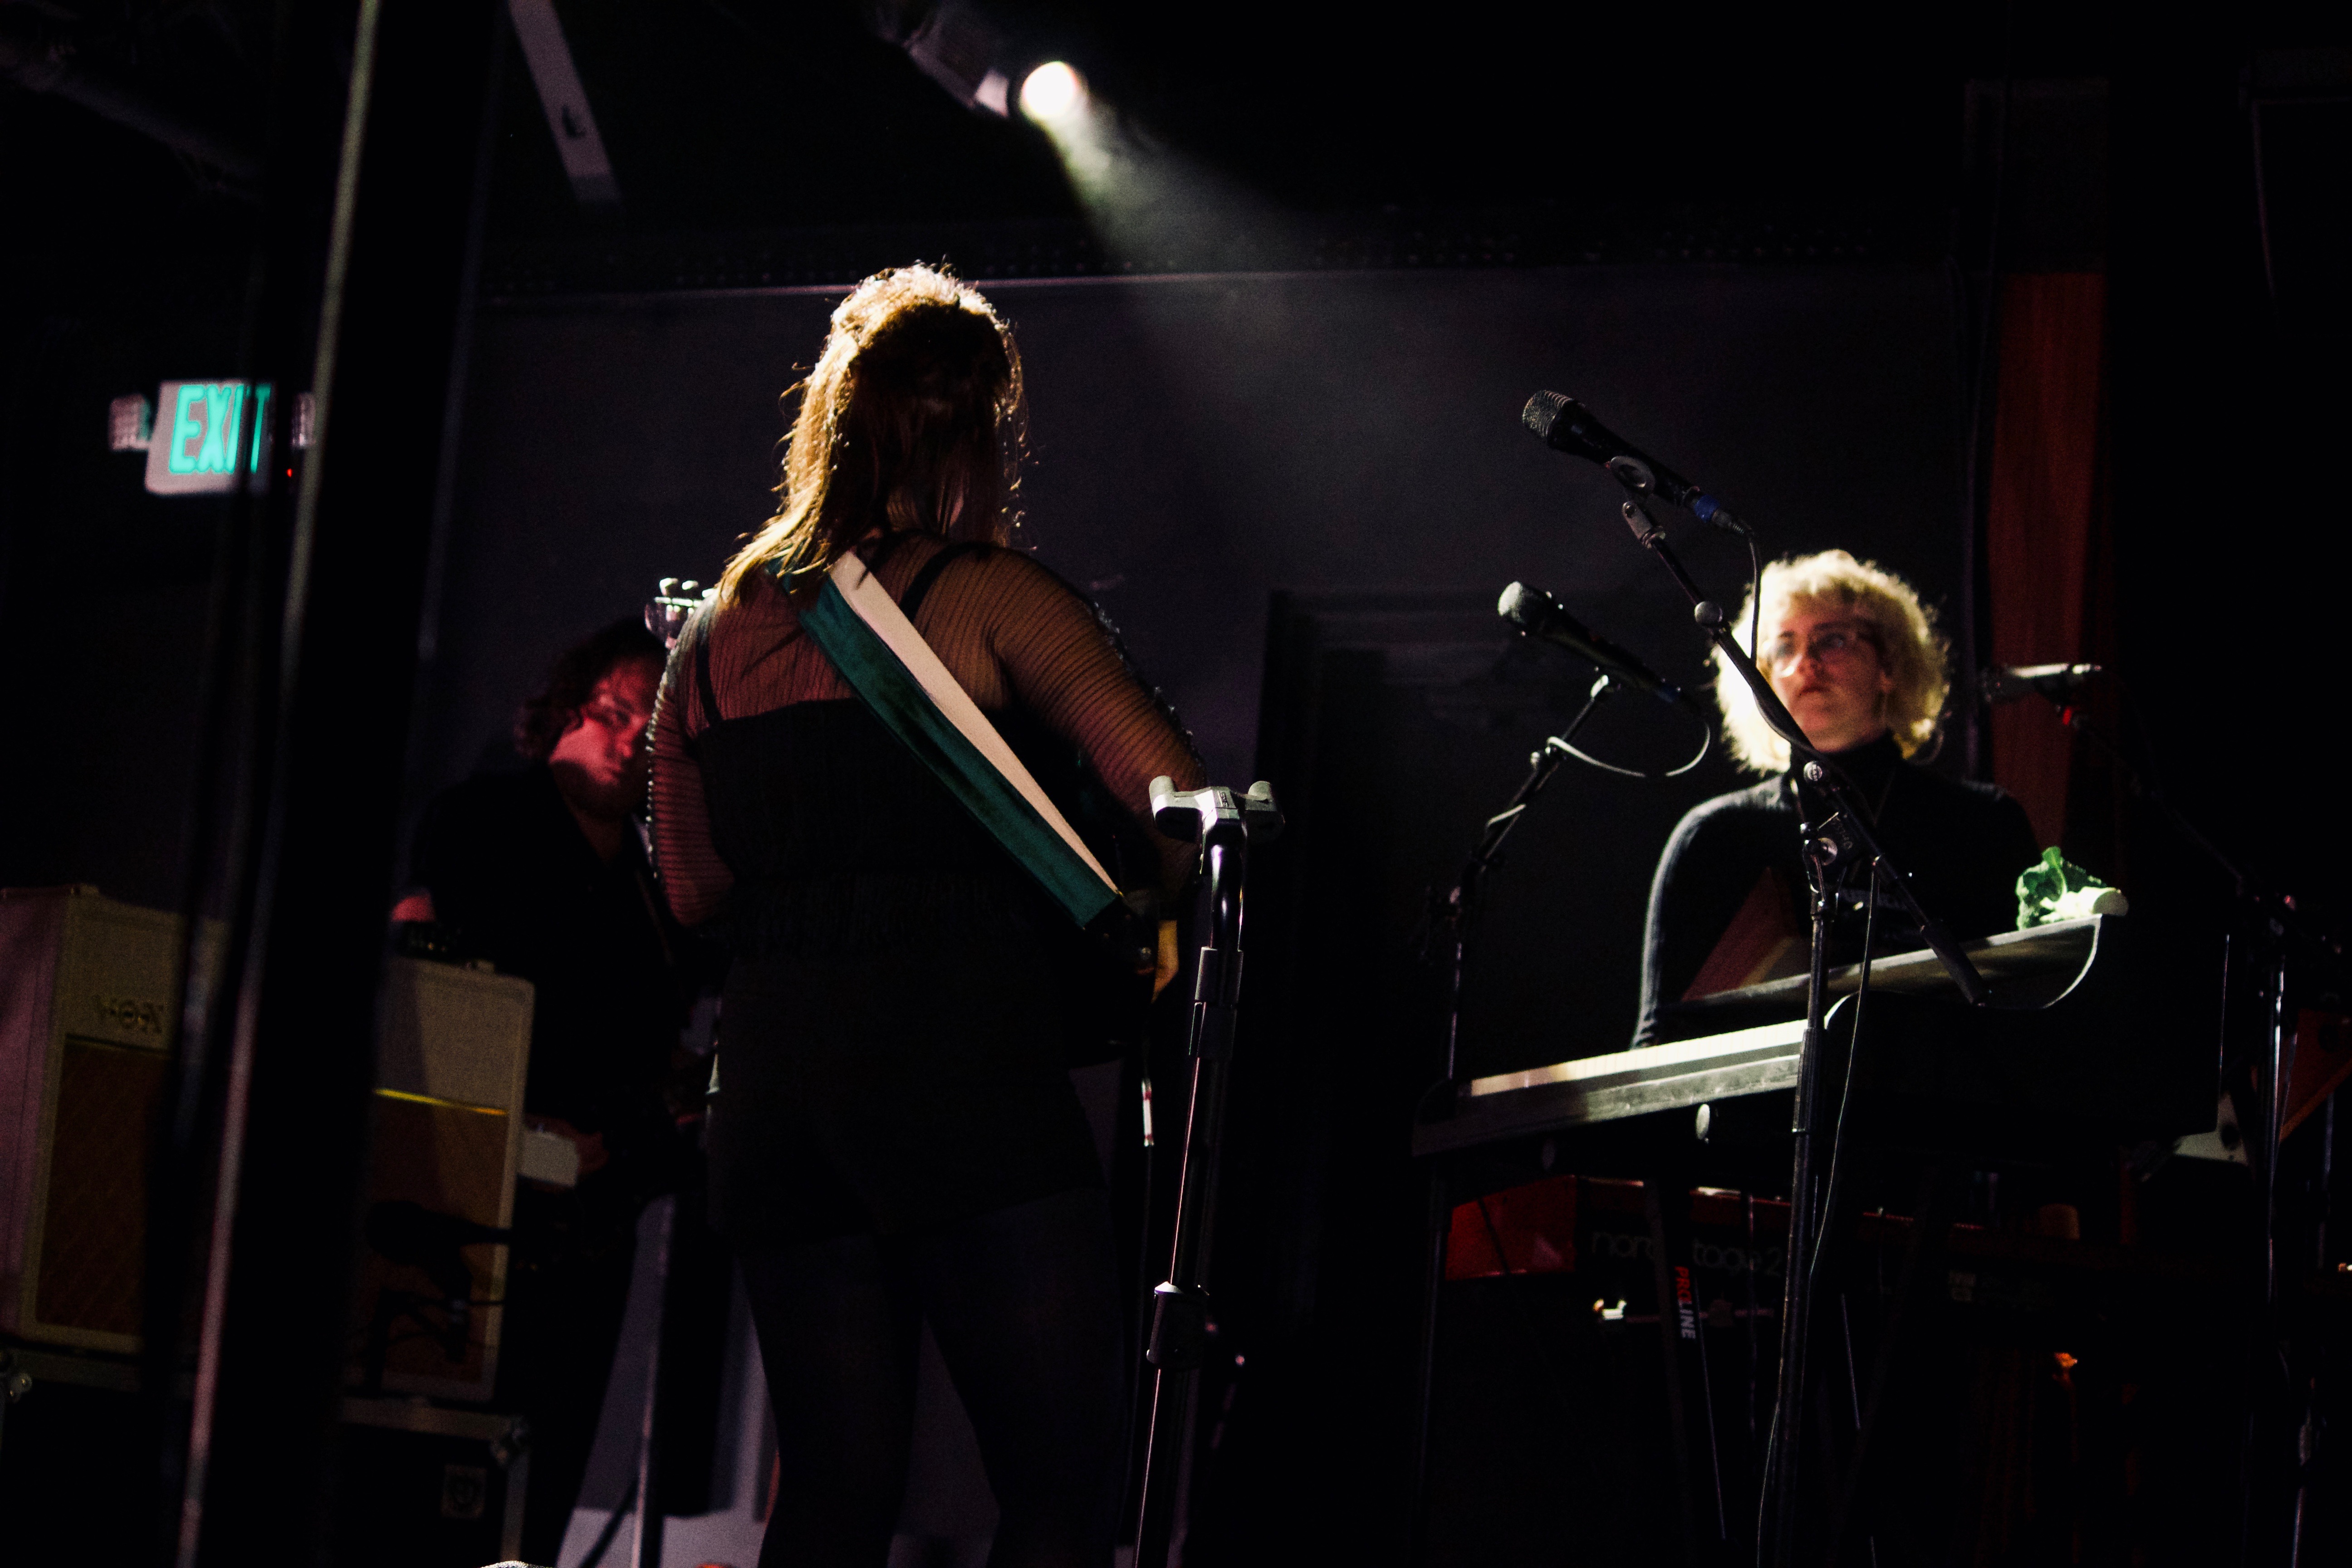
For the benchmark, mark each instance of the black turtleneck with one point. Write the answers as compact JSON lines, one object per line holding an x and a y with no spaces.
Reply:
{"x":1963,"y":845}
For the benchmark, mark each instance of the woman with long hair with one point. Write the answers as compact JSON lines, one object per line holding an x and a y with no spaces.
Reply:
{"x":893,"y":1134}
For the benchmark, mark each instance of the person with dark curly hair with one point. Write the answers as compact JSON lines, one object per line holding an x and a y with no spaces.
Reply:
{"x":543,"y":872}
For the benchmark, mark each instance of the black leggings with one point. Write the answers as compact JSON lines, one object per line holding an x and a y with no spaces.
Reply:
{"x":1024,"y":1304}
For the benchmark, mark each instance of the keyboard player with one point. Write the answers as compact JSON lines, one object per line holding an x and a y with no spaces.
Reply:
{"x":1859,"y":663}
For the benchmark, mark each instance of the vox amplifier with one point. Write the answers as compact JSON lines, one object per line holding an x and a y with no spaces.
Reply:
{"x":86,"y":1025}
{"x":452,"y":1049}
{"x":86,"y":1029}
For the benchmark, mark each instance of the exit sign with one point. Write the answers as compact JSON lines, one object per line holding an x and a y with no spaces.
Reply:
{"x":208,"y":434}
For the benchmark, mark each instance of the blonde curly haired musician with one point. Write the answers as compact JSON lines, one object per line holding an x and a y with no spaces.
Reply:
{"x":1858,"y":661}
{"x":1839,"y":610}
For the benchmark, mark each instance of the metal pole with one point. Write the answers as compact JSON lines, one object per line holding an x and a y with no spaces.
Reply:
{"x":1778,"y":1516}
{"x":1451,"y":921}
{"x":1225,"y":824}
{"x":647,"y":1552}
{"x":401,"y":260}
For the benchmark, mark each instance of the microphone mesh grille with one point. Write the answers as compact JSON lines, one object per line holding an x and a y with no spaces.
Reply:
{"x":1543,"y":409}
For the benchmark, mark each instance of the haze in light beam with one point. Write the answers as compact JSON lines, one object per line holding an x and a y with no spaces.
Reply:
{"x":1154,"y":210}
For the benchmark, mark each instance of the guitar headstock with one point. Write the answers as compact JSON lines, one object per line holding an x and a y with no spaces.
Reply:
{"x":672,"y":602}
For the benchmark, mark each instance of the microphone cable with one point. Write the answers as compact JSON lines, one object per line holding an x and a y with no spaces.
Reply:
{"x":1568,"y":748}
{"x":1754,"y":595}
{"x":1706,"y":744}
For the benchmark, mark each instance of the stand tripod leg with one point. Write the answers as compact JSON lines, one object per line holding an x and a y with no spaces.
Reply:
{"x":1923,"y":1255}
{"x":1778,"y":1516}
{"x":1690,"y":1393}
{"x":1178,"y":1334}
{"x":1171,"y":1398}
{"x":645,"y":1552}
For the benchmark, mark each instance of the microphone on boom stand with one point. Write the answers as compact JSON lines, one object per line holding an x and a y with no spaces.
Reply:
{"x":1565,"y":425}
{"x":1539,"y":615}
{"x":2009,"y":683}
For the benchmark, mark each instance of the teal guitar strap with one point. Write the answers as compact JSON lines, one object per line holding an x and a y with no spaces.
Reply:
{"x":892,"y":693}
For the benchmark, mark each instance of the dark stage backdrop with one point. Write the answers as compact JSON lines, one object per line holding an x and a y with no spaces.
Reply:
{"x":1200,"y":442}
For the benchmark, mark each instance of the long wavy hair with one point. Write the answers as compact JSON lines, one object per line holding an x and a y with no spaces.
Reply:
{"x":1914,"y":652}
{"x":913,"y":419}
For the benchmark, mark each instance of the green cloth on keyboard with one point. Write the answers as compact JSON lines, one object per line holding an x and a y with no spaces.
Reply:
{"x":2055,"y":889}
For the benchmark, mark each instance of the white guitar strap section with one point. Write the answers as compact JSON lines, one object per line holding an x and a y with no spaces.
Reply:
{"x":872,"y":604}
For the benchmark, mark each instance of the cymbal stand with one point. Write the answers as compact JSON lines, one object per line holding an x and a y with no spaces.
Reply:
{"x":1225,"y":824}
{"x":1832,"y":847}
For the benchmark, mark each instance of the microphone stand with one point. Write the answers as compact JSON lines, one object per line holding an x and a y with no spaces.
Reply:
{"x":1831,"y":847}
{"x":1224,"y":823}
{"x":1449,"y":921}
{"x":1453,"y":916}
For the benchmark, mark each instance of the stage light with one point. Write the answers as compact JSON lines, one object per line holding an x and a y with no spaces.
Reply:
{"x":1051,"y":92}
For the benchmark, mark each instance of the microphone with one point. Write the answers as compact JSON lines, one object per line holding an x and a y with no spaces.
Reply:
{"x":1567,"y":426}
{"x":1538,"y":614}
{"x":2007,"y":682}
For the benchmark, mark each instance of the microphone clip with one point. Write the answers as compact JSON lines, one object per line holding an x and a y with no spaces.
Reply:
{"x":1640,"y":484}
{"x":1641,"y":488}
{"x":1647,"y":529}
{"x":1634,"y":474}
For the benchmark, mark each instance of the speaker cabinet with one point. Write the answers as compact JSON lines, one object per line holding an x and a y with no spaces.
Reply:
{"x":452,"y":1049}
{"x":86,"y":1028}
{"x":86,"y":1025}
